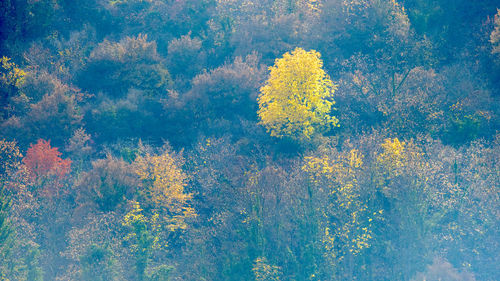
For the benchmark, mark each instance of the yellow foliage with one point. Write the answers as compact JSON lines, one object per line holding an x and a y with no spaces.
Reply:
{"x":134,"y":215}
{"x":340,"y":169}
{"x":393,"y":156}
{"x":393,"y":148}
{"x":355,"y":158}
{"x":139,"y":224}
{"x":399,"y":160}
{"x":264,"y":271}
{"x":317,"y":167}
{"x":314,"y":6}
{"x":339,"y":176}
{"x":296,"y":99}
{"x":164,"y":181}
{"x":10,"y":74}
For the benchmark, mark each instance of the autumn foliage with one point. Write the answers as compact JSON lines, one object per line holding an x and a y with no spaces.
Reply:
{"x":165,"y":183}
{"x":297,"y":98}
{"x":43,"y":160}
{"x":240,"y":140}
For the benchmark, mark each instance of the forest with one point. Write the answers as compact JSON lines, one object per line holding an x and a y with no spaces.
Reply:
{"x":249,"y":140}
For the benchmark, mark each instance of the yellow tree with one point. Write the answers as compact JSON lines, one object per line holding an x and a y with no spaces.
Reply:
{"x":297,"y":98}
{"x":142,"y":237}
{"x":11,"y":79}
{"x":166,"y":208}
{"x":164,"y":181}
{"x":348,"y":220}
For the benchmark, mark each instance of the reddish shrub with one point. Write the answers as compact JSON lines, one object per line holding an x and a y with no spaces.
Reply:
{"x":43,"y":160}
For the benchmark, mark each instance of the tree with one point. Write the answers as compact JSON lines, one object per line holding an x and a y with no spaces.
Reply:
{"x":107,"y":185}
{"x":43,"y":163}
{"x":55,"y":116}
{"x":18,"y":259}
{"x":142,"y":237}
{"x":11,"y":79}
{"x":296,"y":99}
{"x":42,"y":160}
{"x":346,"y":228}
{"x":9,"y":158}
{"x":97,"y":264}
{"x":132,"y":62}
{"x":495,"y":35}
{"x":228,"y":91}
{"x":164,"y":181}
{"x":185,"y":56}
{"x":263,"y":271}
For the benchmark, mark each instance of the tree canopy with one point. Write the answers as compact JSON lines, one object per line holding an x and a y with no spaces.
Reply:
{"x":296,"y":100}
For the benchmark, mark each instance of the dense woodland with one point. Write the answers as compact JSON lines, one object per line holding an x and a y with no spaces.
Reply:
{"x":249,"y":140}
